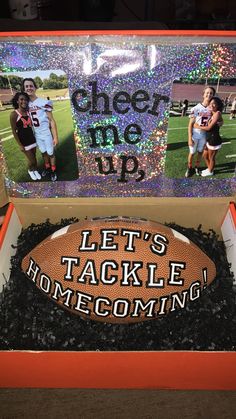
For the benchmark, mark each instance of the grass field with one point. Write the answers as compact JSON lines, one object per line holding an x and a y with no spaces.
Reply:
{"x":67,"y":167}
{"x":52,"y":93}
{"x":177,"y":149}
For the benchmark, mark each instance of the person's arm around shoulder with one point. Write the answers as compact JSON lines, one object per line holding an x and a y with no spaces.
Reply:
{"x":13,"y":118}
{"x":53,"y":127}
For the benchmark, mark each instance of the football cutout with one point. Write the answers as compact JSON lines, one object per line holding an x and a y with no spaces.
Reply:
{"x":119,"y":269}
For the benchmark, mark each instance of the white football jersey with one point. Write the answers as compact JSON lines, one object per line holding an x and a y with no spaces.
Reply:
{"x":201,"y":114}
{"x":39,"y":118}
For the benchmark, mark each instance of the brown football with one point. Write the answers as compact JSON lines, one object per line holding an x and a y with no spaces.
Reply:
{"x":119,"y":269}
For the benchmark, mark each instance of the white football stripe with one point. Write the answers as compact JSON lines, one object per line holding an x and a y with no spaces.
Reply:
{"x":180,"y":236}
{"x":7,"y":138}
{"x":5,"y":130}
{"x":60,"y":232}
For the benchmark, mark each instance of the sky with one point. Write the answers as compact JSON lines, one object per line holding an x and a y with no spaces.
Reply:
{"x":43,"y":74}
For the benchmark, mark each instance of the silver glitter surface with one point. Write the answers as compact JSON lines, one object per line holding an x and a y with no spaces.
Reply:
{"x":120,"y":96}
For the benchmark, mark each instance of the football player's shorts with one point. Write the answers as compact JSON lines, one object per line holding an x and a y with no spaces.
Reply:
{"x":45,"y":144}
{"x":199,"y":140}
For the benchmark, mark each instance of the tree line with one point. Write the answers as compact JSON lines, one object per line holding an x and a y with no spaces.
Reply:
{"x":53,"y":82}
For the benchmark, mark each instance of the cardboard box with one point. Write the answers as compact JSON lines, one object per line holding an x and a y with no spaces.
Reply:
{"x":228,"y":230}
{"x":9,"y":233}
{"x":160,"y":370}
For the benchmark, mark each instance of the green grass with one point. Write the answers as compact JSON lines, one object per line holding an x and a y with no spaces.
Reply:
{"x":177,"y":148}
{"x":67,"y":167}
{"x":52,"y":93}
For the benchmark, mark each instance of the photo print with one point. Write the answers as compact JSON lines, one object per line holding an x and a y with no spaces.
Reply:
{"x":201,"y":136}
{"x":36,"y":129}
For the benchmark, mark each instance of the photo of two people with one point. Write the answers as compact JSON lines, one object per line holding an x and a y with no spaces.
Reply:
{"x":201,"y":140}
{"x":36,"y":126}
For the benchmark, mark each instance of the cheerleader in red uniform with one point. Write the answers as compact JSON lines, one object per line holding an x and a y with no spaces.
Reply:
{"x":21,"y":126}
{"x":214,"y":140}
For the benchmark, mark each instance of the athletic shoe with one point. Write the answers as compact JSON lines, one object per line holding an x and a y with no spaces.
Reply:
{"x":37,"y":174}
{"x":46,"y":172}
{"x":189,"y":172}
{"x":207,"y":172}
{"x":53,"y":176}
{"x":197,"y":171}
{"x":32,"y":175}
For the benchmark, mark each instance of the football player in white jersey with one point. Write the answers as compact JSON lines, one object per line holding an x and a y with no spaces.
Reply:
{"x":44,"y":125}
{"x":200,"y":114}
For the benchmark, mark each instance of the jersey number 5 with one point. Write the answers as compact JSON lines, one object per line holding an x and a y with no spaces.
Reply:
{"x":204,"y":121}
{"x":34,"y":118}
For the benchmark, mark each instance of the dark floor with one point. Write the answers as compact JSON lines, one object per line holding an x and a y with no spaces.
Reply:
{"x":116,"y":404}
